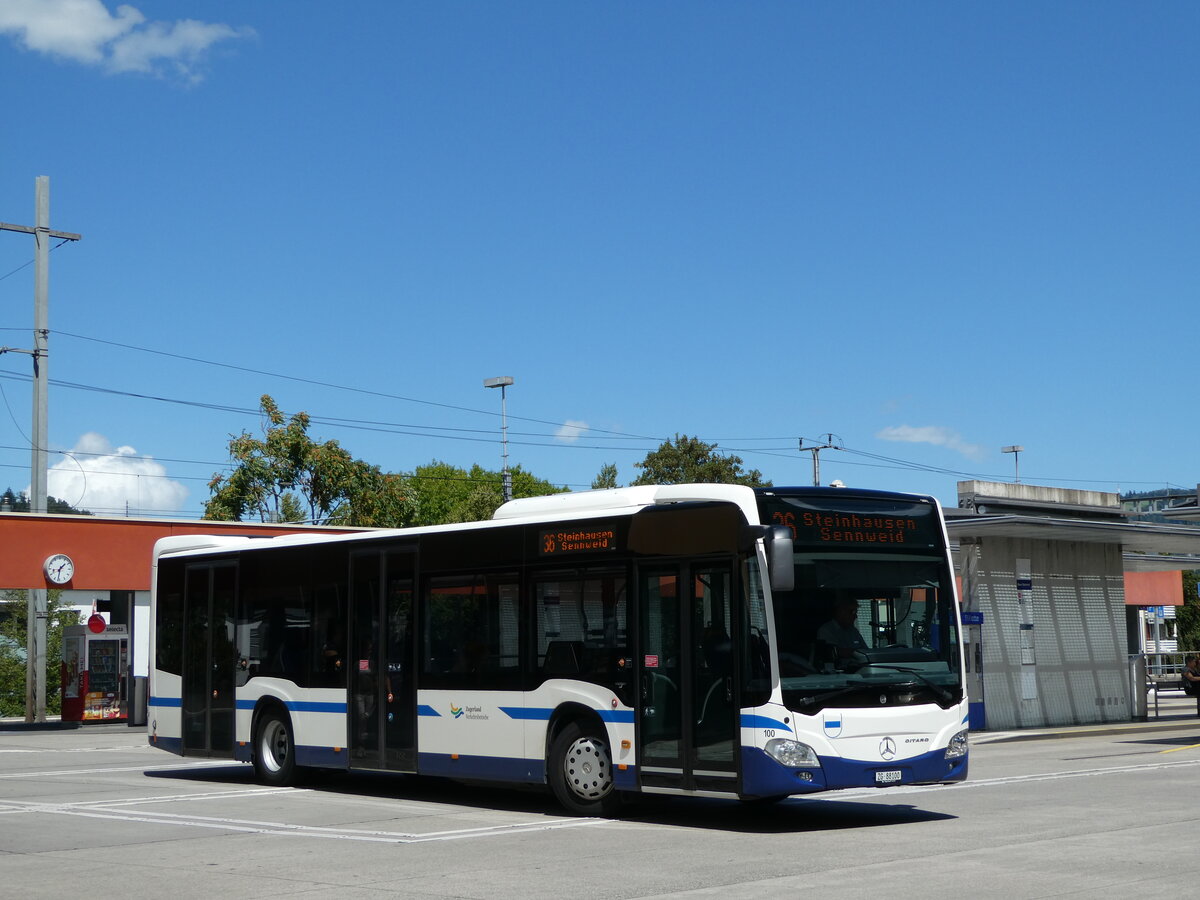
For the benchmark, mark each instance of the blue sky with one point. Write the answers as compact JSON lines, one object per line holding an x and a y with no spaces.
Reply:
{"x":930,"y":229}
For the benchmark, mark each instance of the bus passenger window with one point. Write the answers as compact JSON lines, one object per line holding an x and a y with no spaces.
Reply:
{"x":472,"y":632}
{"x":581,"y":627}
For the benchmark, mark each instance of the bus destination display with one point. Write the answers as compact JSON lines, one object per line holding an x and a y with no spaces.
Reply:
{"x":591,"y":540}
{"x":866,"y":525}
{"x":843,"y":528}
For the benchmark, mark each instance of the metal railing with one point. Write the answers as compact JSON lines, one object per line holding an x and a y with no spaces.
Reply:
{"x":1152,"y":673}
{"x":1168,"y":665}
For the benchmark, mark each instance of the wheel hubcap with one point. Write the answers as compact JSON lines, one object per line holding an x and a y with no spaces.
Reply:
{"x":588,"y":768}
{"x":275,"y":746}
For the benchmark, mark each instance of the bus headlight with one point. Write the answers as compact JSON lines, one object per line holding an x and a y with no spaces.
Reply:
{"x":958,"y":745}
{"x":792,"y":754}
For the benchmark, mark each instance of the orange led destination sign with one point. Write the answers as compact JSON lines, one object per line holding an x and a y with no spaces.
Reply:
{"x":559,"y":541}
{"x":809,"y":527}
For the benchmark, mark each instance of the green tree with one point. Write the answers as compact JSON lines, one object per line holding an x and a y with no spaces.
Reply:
{"x":687,"y":460}
{"x":14,"y":606}
{"x":286,"y":476}
{"x":20,"y":503}
{"x":607,"y":477}
{"x":446,"y":493}
{"x":1187,"y":617}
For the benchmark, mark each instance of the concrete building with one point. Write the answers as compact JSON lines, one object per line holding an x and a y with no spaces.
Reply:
{"x":1043,"y":574}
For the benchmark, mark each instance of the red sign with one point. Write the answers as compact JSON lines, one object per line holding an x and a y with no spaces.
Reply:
{"x":96,"y":623}
{"x":651,"y":662}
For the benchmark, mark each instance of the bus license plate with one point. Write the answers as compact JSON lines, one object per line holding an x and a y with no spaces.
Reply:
{"x":889,"y":777}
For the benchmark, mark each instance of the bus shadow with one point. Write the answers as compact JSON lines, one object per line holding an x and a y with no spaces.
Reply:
{"x":795,"y":815}
{"x":1143,"y":747}
{"x":792,"y":816}
{"x":1181,"y":740}
{"x":380,"y":785}
{"x":233,"y":773}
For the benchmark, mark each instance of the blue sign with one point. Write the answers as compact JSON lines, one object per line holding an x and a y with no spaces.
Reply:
{"x":972,"y":618}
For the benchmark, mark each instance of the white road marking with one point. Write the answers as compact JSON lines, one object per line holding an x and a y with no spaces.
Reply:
{"x":97,"y":771}
{"x":41,"y":751}
{"x":110,"y":809}
{"x":884,"y":793}
{"x":97,"y":810}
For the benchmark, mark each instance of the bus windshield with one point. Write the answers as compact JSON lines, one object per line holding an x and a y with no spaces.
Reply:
{"x":864,"y":629}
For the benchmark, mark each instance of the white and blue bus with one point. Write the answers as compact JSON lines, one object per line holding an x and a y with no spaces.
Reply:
{"x":708,"y":640}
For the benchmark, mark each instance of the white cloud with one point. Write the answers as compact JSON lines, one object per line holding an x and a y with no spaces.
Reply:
{"x":85,"y":31}
{"x":570,"y":431}
{"x":937,"y":435}
{"x":111,"y":480}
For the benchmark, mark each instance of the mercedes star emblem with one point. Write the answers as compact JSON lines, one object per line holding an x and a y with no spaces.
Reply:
{"x":887,"y":748}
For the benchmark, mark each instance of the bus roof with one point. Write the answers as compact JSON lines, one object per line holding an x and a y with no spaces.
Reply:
{"x":628,"y":499}
{"x":552,"y":507}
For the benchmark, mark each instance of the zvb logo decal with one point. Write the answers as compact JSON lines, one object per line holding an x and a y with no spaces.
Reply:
{"x":456,"y":711}
{"x":887,"y":748}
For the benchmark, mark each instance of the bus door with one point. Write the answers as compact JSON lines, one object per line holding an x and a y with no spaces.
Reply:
{"x":209,"y":659}
{"x":687,"y":715}
{"x":382,"y":709}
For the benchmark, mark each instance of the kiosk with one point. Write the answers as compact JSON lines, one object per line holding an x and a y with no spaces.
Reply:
{"x":95,"y":663}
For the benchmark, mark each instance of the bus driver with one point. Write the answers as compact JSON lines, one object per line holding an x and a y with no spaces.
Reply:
{"x":839,"y":632}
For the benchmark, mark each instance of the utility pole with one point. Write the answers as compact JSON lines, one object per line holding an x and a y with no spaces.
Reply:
{"x":35,"y":626}
{"x":832,"y":442}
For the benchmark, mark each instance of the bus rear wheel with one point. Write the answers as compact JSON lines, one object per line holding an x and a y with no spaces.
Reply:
{"x":581,"y":772}
{"x":275,"y":749}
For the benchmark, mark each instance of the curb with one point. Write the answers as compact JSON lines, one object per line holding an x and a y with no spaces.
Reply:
{"x":1182,"y":723}
{"x":56,"y":725}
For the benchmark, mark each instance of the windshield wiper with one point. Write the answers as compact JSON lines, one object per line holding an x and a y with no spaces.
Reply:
{"x":829,"y":695}
{"x":937,"y":689}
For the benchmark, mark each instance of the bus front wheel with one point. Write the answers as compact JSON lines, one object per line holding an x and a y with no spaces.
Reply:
{"x":581,"y":772}
{"x":275,"y":749}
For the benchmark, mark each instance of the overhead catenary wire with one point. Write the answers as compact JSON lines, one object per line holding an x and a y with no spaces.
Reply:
{"x":465,"y":434}
{"x":329,"y":384}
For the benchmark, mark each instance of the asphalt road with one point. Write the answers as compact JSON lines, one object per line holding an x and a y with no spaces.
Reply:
{"x":98,"y":813}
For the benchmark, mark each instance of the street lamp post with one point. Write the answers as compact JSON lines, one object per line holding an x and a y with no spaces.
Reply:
{"x":1015,"y":450}
{"x":503,"y":382}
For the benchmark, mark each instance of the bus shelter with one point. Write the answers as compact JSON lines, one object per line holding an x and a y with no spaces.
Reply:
{"x":1043,"y":574}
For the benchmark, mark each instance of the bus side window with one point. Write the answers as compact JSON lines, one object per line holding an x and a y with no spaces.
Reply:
{"x":756,"y":660}
{"x":581,"y":625}
{"x":472,"y":632}
{"x":275,"y":618}
{"x":329,"y":640}
{"x":169,"y":633}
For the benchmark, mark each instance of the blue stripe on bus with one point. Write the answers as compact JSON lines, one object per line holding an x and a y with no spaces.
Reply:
{"x":616,"y":716}
{"x":424,"y":709}
{"x":526,"y":712}
{"x":175,"y":702}
{"x":750,"y":720}
{"x":301,"y":706}
{"x":542,"y":714}
{"x":316,"y":706}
